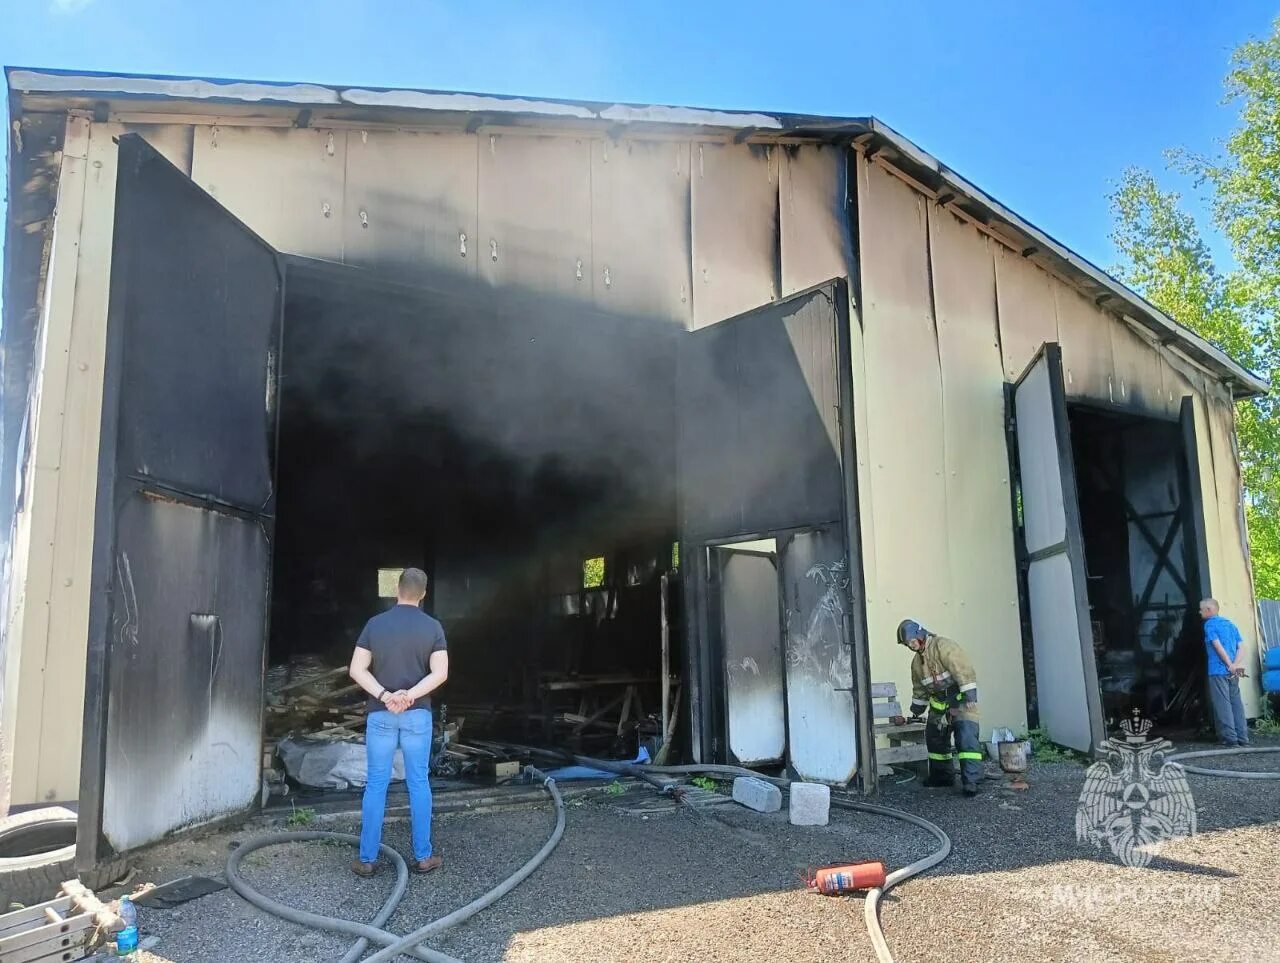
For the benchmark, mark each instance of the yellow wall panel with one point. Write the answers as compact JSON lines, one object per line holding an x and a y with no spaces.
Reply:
{"x":979,"y":539}
{"x":286,"y":184}
{"x":409,"y":203}
{"x":906,"y":439}
{"x":1027,"y":308}
{"x":640,"y":192}
{"x":535,"y":214}
{"x":734,"y":199}
{"x":811,"y":206}
{"x":1233,"y":583}
{"x":1139,"y":372}
{"x":1085,"y":335}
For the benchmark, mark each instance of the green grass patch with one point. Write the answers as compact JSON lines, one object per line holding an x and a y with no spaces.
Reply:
{"x":1043,"y":749}
{"x":301,"y":817}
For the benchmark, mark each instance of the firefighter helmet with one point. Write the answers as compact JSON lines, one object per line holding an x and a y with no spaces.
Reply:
{"x":908,"y":630}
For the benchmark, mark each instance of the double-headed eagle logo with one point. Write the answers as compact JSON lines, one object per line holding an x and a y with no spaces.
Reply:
{"x":1133,"y":801}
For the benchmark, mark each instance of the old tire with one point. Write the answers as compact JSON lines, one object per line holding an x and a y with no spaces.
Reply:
{"x":37,"y":855}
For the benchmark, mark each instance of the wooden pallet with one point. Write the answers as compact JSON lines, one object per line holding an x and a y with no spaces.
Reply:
{"x":64,"y":929}
{"x":905,"y":742}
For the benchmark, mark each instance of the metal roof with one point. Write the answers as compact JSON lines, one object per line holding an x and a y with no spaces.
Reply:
{"x":304,"y":104}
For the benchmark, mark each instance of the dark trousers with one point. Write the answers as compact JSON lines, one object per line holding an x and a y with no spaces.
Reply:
{"x":938,"y":736}
{"x":1228,"y":710}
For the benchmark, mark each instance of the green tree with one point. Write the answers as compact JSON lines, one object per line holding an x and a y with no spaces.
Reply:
{"x":1164,"y":256}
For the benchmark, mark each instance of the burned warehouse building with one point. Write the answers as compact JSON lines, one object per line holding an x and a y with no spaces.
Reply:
{"x":681,"y":410}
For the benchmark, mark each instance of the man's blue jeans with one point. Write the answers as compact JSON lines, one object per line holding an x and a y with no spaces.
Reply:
{"x":1228,"y":710}
{"x":411,"y":732}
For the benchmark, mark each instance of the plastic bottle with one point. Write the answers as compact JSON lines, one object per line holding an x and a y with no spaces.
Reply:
{"x":127,"y":938}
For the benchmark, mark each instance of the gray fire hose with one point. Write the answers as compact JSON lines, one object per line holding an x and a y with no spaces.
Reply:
{"x":1225,"y":773}
{"x":393,"y":945}
{"x":871,"y":908}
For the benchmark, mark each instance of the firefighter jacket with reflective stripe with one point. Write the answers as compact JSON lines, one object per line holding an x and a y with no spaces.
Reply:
{"x":942,"y":678}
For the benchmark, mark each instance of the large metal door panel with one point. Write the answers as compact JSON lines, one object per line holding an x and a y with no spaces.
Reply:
{"x":765,"y":431}
{"x":184,"y":684}
{"x":821,"y":714}
{"x":760,"y":428}
{"x":182,"y":540}
{"x":1065,"y":669}
{"x":751,"y":635}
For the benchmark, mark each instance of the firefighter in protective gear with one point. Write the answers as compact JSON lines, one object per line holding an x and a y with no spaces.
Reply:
{"x":942,"y":679}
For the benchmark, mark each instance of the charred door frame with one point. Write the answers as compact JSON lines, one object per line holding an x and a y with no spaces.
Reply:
{"x":92,"y":847}
{"x":707,"y":698}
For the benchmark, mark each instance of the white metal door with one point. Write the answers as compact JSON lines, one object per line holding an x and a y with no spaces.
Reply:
{"x":755,"y":704}
{"x":1066,"y":672}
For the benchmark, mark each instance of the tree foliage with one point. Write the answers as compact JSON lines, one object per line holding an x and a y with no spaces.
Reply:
{"x":1164,"y":256}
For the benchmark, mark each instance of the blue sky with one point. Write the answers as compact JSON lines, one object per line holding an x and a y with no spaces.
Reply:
{"x":1041,"y":104}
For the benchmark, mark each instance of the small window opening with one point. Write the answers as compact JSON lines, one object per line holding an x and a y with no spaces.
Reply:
{"x":389,"y":582}
{"x":593,"y":573}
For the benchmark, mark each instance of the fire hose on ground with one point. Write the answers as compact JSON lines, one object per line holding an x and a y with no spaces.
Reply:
{"x":1225,"y":773}
{"x":394,"y":945}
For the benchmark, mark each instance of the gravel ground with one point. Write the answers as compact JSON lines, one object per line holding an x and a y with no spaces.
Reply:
{"x":637,"y":879}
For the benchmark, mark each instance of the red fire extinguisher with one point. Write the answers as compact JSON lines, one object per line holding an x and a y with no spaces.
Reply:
{"x":835,"y":880}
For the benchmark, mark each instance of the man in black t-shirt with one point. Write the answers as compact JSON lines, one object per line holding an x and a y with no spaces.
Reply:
{"x":401,"y":657}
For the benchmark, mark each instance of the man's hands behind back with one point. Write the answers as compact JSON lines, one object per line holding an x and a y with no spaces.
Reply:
{"x":398,"y":702}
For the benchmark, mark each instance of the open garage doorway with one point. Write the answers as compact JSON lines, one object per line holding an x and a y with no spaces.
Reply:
{"x":1111,"y":545}
{"x":281,"y":436}
{"x":1142,"y":558}
{"x":523,"y":455}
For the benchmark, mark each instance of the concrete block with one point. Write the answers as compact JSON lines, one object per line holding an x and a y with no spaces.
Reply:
{"x":763,"y":797}
{"x":810,"y":804}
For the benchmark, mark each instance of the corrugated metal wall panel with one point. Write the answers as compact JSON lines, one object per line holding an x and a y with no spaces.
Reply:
{"x":287,"y":185}
{"x":535,"y":214}
{"x":811,"y":205}
{"x":1027,"y":308}
{"x":640,"y":229}
{"x":979,"y":542}
{"x":735,"y":229}
{"x":1269,"y":616}
{"x":410,"y":202}
{"x":906,"y":436}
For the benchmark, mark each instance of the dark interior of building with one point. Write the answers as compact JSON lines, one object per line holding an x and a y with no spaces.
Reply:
{"x":1141,"y":559}
{"x":523,"y":454}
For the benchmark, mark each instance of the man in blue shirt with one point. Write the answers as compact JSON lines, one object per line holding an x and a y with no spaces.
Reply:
{"x":1226,"y":667}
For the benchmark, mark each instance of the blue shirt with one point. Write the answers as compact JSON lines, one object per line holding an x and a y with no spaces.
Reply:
{"x":401,"y":640}
{"x":1225,"y":631}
